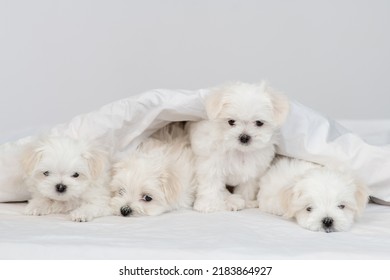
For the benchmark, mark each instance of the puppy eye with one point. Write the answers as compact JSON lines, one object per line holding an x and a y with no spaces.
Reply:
{"x":46,"y":173}
{"x":147,"y":198}
{"x":75,"y":175}
{"x":341,"y":206}
{"x":231,"y":122}
{"x":259,"y":123}
{"x":308,"y":209}
{"x":121,"y":192}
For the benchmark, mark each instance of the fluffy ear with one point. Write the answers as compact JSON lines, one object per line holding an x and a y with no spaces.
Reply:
{"x":214,"y":103}
{"x":290,"y":198}
{"x":97,"y":160}
{"x":287,"y":195}
{"x":118,"y":167}
{"x":280,"y":104}
{"x":361,"y":196}
{"x":170,"y":185}
{"x":30,"y":158}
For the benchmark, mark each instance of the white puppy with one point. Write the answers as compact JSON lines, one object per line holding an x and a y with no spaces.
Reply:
{"x":157,"y":178}
{"x":67,"y":176}
{"x":320,"y":198}
{"x":236,"y":144}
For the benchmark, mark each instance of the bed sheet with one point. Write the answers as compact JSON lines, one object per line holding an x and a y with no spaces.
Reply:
{"x":247,"y":234}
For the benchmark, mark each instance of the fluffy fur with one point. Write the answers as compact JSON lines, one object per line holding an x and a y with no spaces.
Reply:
{"x":67,"y":176}
{"x":318,"y":197}
{"x":157,"y":178}
{"x":235,"y":145}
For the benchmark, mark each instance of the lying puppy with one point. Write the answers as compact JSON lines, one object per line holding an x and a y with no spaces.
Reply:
{"x":157,"y":178}
{"x":319,"y":198}
{"x":236,"y":144}
{"x":67,"y":176}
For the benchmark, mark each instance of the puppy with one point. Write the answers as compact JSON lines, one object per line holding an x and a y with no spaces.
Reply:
{"x":157,"y":178}
{"x":67,"y":176}
{"x":236,"y":144}
{"x":318,"y":197}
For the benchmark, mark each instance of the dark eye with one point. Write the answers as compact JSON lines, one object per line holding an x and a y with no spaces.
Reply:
{"x":121,"y":192}
{"x":308,"y":209}
{"x":75,"y":175}
{"x":259,"y":123}
{"x":46,"y":173}
{"x":147,"y":198}
{"x":341,"y":206}
{"x":231,"y":122}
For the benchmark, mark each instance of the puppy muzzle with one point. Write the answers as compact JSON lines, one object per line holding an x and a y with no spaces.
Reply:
{"x":244,"y":139}
{"x":61,"y":188}
{"x":327,"y":224}
{"x":126,"y":210}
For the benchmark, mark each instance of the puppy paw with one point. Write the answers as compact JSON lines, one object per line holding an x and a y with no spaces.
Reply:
{"x":34,"y":211}
{"x":80,"y":216}
{"x":252,"y":204}
{"x":209,"y":206}
{"x":235,"y":202}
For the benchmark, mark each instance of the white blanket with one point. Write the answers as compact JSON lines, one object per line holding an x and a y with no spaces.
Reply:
{"x":121,"y":126}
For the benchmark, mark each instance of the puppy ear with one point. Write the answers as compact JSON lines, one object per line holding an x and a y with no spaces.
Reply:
{"x":170,"y":186}
{"x":97,"y":160}
{"x":118,"y":167}
{"x":361,"y":192}
{"x":361,"y":197}
{"x":214,"y":103}
{"x":280,"y":103}
{"x":30,"y":158}
{"x":287,"y":196}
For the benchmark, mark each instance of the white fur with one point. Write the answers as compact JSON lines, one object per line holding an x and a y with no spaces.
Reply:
{"x":221,"y":159}
{"x":161,"y":168}
{"x":291,"y":187}
{"x":58,"y":160}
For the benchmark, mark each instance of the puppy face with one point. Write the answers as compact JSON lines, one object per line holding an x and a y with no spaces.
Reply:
{"x":326,"y":200}
{"x":246,"y":115}
{"x":143,"y":186}
{"x":61,"y":168}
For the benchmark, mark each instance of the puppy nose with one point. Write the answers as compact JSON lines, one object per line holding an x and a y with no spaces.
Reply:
{"x":327,"y":222}
{"x":126,"y":210}
{"x":244,"y":138}
{"x":61,"y":188}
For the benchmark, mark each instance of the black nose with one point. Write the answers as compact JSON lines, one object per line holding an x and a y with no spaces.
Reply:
{"x":126,"y":210}
{"x":61,"y":188}
{"x":244,"y":138}
{"x":327,"y":222}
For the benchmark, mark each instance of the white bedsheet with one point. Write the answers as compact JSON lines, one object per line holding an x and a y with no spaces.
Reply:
{"x":246,"y":234}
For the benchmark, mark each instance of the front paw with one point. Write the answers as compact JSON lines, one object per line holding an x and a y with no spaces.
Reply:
{"x":209,"y":205}
{"x":235,"y":202}
{"x":80,"y":216}
{"x":35,"y":210}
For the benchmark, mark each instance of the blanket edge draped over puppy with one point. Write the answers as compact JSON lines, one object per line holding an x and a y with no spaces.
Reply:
{"x":122,"y":125}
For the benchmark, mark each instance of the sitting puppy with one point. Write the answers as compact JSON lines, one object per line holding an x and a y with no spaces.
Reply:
{"x":157,"y":177}
{"x":67,"y":176}
{"x":236,"y":144}
{"x":320,"y":198}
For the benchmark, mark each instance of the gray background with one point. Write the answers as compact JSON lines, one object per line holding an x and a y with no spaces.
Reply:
{"x":62,"y":58}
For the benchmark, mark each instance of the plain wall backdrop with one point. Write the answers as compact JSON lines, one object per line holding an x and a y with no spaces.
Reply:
{"x":63,"y":58}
